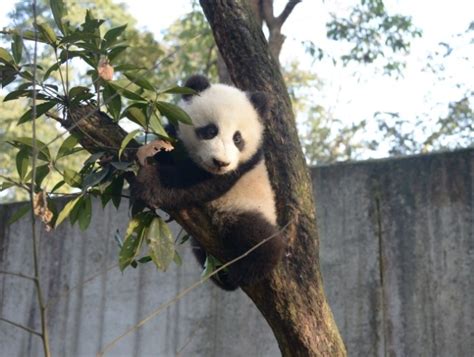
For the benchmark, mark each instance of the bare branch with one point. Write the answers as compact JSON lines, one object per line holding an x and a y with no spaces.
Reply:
{"x":25,"y":328}
{"x":19,"y":275}
{"x":267,"y":11}
{"x":286,"y":12}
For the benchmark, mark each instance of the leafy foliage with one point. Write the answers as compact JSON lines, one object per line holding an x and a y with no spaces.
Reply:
{"x":371,"y":31}
{"x":132,"y":96}
{"x":453,"y":131}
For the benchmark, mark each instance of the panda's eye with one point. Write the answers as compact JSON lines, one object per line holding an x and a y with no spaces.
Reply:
{"x":207,"y":132}
{"x":238,"y":140}
{"x":237,"y":137}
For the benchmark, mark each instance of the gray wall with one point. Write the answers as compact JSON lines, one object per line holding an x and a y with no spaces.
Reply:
{"x":397,"y":252}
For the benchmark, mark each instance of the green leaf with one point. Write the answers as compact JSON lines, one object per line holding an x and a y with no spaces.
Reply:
{"x":145,"y":259}
{"x":177,"y":259}
{"x":16,"y":94}
{"x":121,"y":165}
{"x":72,"y":178}
{"x":58,"y":10}
{"x":114,"y":192}
{"x":160,"y":244}
{"x":6,"y":185}
{"x":125,"y":92}
{"x":48,"y":33}
{"x":112,"y":100}
{"x":75,"y":91}
{"x":17,"y":48}
{"x":111,"y":36}
{"x":40,"y":110}
{"x":132,"y":243}
{"x":24,"y":93}
{"x":130,"y":249}
{"x":67,"y":210}
{"x":74,"y":215}
{"x":140,"y":81}
{"x":156,"y":127}
{"x":95,"y":178}
{"x":136,"y":113}
{"x":210,"y":265}
{"x":57,"y":186}
{"x":22,"y":163}
{"x":43,"y":151}
{"x":67,"y":147}
{"x":114,"y":52}
{"x":178,"y":90}
{"x":41,"y":172}
{"x":51,"y":69}
{"x":19,"y":214}
{"x":93,"y":158}
{"x":173,"y":113}
{"x":127,"y":139}
{"x":85,"y":214}
{"x":5,"y":56}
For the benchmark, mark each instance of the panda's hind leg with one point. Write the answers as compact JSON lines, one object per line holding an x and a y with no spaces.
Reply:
{"x":222,"y":278}
{"x":243,"y":231}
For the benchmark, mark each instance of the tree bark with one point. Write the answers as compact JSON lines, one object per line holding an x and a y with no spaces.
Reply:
{"x":292,"y":300}
{"x":263,"y":12}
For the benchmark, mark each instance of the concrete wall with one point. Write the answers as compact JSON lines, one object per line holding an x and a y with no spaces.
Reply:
{"x":397,"y":252}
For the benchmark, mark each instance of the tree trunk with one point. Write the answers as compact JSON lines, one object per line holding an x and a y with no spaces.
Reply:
{"x":292,"y":300}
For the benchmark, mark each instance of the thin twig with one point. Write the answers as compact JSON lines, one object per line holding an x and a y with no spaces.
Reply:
{"x":68,"y":291}
{"x":44,"y":326}
{"x":26,"y":328}
{"x":18,"y":184}
{"x":184,"y":292}
{"x":19,"y":275}
{"x":188,"y":340}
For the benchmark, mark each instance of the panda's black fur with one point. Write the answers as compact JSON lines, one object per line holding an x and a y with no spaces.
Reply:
{"x":236,"y":190}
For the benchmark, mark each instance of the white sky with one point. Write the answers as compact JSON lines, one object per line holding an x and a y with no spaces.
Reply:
{"x":348,"y":98}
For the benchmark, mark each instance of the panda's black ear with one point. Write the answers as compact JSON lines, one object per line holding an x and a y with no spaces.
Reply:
{"x":197,"y":82}
{"x":260,"y":102}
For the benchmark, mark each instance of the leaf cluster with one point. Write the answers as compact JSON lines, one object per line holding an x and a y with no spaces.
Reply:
{"x":372,"y":31}
{"x":133,"y":97}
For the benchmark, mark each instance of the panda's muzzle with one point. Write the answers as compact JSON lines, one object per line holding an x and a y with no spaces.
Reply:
{"x":220,"y":164}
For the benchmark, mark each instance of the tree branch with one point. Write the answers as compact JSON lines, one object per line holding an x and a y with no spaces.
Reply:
{"x":267,"y":11}
{"x":19,"y":275}
{"x":290,"y":5}
{"x":25,"y":328}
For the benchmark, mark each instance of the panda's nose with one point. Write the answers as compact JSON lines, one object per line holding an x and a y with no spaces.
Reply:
{"x":219,"y":163}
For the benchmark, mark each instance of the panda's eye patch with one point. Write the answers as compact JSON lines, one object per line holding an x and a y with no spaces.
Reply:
{"x":207,"y":132}
{"x":238,"y":140}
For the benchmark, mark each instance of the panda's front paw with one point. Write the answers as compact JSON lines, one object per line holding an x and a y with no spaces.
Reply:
{"x":146,"y":186}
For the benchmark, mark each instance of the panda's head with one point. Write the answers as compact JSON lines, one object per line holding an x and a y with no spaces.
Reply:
{"x":227,"y":129}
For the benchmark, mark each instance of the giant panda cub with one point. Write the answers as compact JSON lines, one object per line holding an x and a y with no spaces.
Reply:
{"x":224,"y":171}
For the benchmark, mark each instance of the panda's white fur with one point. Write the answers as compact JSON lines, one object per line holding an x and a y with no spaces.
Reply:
{"x":224,"y":172}
{"x":252,"y":192}
{"x":231,"y":110}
